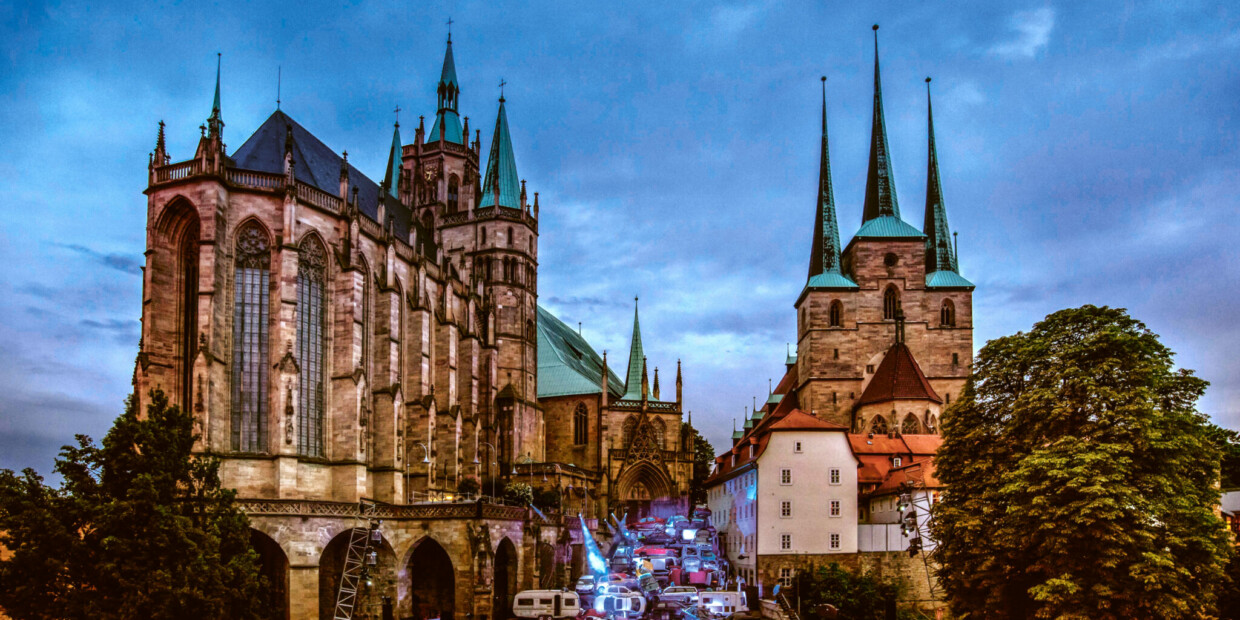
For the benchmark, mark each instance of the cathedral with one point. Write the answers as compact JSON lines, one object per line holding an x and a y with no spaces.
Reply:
{"x":339,"y":339}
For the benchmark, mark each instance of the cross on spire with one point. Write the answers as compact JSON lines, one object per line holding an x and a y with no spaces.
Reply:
{"x":397,"y":112}
{"x":450,"y":29}
{"x":502,"y":83}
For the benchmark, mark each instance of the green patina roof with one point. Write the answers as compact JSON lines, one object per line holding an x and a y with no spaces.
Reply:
{"x":880,"y":181}
{"x":567,"y":364}
{"x":888,"y":226}
{"x":829,"y":280}
{"x":946,"y":279}
{"x":774,"y":399}
{"x":391,"y":178}
{"x":738,"y":434}
{"x":447,"y":120}
{"x":940,"y":255}
{"x":501,"y":167}
{"x":748,"y":423}
{"x":633,"y":382}
{"x":825,"y":253}
{"x":792,"y":359}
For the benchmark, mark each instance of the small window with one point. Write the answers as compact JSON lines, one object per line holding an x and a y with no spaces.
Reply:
{"x":511,"y":237}
{"x":484,"y":235}
{"x":837,"y":354}
{"x":785,"y":476}
{"x":835,"y":541}
{"x":835,"y":316}
{"x":835,"y":397}
{"x":891,"y":260}
{"x":785,"y":542}
{"x":955,"y":359}
{"x":785,"y":509}
{"x":869,"y":369}
{"x":835,"y":507}
{"x":796,"y":446}
{"x":947,"y":314}
{"x":948,"y":397}
{"x":891,"y":303}
{"x":835,"y":475}
{"x":895,"y":461}
{"x":785,"y":577}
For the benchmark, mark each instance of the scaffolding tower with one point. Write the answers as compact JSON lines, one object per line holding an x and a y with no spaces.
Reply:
{"x":358,"y":559}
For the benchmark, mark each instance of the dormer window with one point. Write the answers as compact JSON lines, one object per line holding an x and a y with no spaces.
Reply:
{"x":895,"y":461}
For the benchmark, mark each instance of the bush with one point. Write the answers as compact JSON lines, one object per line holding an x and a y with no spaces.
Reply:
{"x":468,"y":486}
{"x":518,"y":493}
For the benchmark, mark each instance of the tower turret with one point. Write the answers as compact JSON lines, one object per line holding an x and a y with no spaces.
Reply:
{"x":824,"y":260}
{"x":447,"y":121}
{"x":391,"y":175}
{"x":633,"y":381}
{"x":940,"y":255}
{"x":880,"y":182}
{"x":501,"y":186}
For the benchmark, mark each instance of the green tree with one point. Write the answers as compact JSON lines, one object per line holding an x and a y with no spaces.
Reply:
{"x":703,"y":456}
{"x":139,"y":528}
{"x":855,"y":595}
{"x":518,"y":493}
{"x":1081,"y":479}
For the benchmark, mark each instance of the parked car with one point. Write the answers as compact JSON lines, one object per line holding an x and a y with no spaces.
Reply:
{"x":710,"y":565}
{"x":614,"y":599}
{"x":585,"y":586}
{"x":691,"y":564}
{"x":546,"y":604}
{"x":684,"y":594}
{"x":723,"y":603}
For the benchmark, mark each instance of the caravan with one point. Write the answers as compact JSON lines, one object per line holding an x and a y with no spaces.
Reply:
{"x":546,"y":604}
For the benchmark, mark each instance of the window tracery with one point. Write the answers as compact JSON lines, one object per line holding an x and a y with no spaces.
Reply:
{"x":251,"y":297}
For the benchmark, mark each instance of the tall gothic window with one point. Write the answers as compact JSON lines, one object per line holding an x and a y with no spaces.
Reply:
{"x":910,"y":426}
{"x":947,"y":314}
{"x":836,"y":314}
{"x":511,"y":238}
{"x":453,"y":192}
{"x":311,"y":345}
{"x":188,"y":259}
{"x":581,"y":424}
{"x":627,"y":430}
{"x":660,"y":433}
{"x":251,"y":295}
{"x":891,"y":303}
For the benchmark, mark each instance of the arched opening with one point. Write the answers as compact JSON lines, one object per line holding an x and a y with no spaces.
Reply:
{"x":432,"y":590}
{"x":835,"y":316}
{"x":380,"y":581}
{"x":175,"y":279}
{"x":273,"y":567}
{"x":891,"y":303}
{"x":453,"y":193}
{"x":547,"y":575}
{"x":910,"y":426}
{"x":627,"y":430}
{"x":581,"y":424}
{"x":505,"y":580}
{"x":188,"y":267}
{"x":878,"y":425}
{"x":251,"y":317}
{"x":511,"y":237}
{"x":947,"y":314}
{"x":660,"y":433}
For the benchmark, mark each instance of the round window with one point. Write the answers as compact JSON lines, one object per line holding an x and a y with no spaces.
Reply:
{"x":891,"y":259}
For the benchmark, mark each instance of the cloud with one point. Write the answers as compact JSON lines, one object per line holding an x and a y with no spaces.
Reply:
{"x":120,"y":262}
{"x":725,"y":24}
{"x":1033,"y":31}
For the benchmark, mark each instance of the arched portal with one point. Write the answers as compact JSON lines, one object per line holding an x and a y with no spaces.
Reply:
{"x":432,"y":592}
{"x":273,"y":566}
{"x":505,"y":579}
{"x":642,"y":483}
{"x":381,"y":579}
{"x":546,"y":566}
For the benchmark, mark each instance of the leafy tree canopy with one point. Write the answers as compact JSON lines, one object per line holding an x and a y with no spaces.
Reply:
{"x":1081,"y":478}
{"x":703,"y":456}
{"x":854,"y":595}
{"x":139,"y":528}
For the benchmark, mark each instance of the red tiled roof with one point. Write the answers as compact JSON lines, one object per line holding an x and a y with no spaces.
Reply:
{"x":898,"y":378}
{"x":922,"y":469}
{"x":798,"y":420}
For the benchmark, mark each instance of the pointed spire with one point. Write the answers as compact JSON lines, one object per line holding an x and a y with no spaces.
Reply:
{"x":447,"y":121}
{"x":655,"y":391}
{"x":391,"y":176}
{"x":160,"y":156}
{"x":501,"y":172}
{"x":940,"y":256}
{"x":825,"y":256}
{"x":880,"y":183}
{"x":645,"y":381}
{"x":216,"y":122}
{"x":633,"y":382}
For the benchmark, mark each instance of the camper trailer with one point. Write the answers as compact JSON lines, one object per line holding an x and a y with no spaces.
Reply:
{"x":546,"y":604}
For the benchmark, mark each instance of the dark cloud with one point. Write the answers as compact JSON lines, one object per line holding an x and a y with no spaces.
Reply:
{"x":120,"y":262}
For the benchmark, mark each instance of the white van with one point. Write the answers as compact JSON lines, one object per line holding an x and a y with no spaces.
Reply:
{"x":725,"y":603}
{"x":546,"y":604}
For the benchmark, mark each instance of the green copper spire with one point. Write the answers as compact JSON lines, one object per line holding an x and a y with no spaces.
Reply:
{"x":939,"y":253}
{"x":447,"y":120}
{"x":825,"y":256}
{"x":637,"y":358}
{"x":501,"y":167}
{"x":880,"y":183}
{"x":215,"y":122}
{"x":391,"y":178}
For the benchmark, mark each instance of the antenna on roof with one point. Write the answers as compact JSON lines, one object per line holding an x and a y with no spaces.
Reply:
{"x":279,"y":78}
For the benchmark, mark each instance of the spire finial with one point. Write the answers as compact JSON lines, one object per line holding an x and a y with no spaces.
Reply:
{"x":880,"y":188}
{"x":502,"y":84}
{"x":450,"y":30}
{"x":215,"y":123}
{"x":397,"y":113}
{"x":279,"y":83}
{"x":940,"y":255}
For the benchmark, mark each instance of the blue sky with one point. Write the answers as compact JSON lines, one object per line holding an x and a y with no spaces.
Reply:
{"x":1088,"y":152}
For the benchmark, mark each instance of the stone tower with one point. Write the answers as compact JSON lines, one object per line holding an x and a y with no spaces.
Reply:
{"x":847,"y":313}
{"x":488,"y":231}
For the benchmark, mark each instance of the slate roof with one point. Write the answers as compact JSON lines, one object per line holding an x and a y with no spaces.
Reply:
{"x":947,"y":279}
{"x":318,"y":165}
{"x":567,"y":364}
{"x":798,"y":420}
{"x":898,"y":377}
